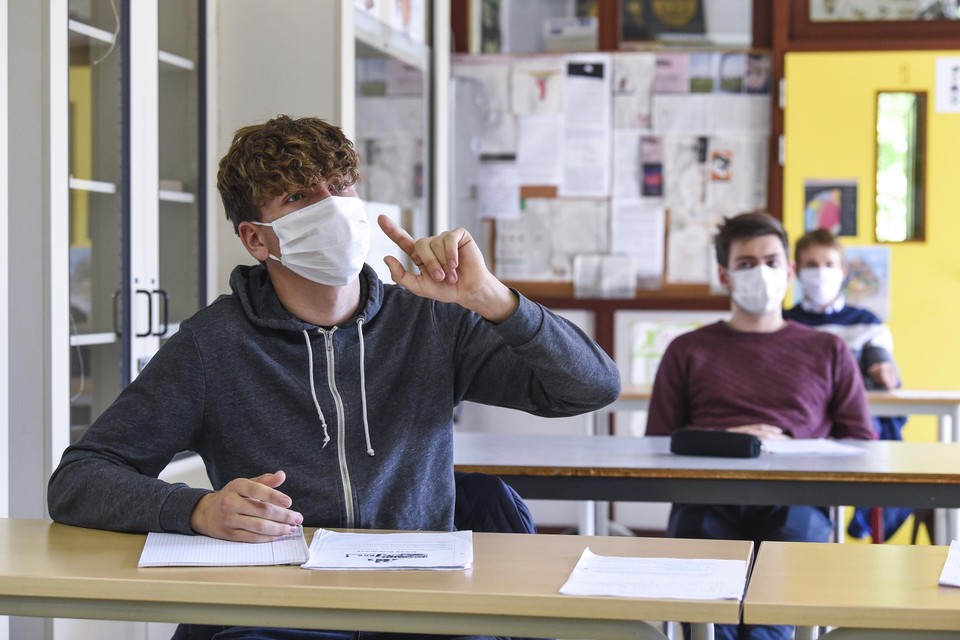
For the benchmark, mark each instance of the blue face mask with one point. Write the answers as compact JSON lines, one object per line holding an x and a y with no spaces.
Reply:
{"x":325,"y":242}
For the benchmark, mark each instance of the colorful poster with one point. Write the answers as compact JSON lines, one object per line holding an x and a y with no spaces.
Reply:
{"x":832,"y":205}
{"x":868,"y":279}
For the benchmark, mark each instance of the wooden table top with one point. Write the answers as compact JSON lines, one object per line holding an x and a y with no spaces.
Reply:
{"x":57,"y":570}
{"x":875,"y":586}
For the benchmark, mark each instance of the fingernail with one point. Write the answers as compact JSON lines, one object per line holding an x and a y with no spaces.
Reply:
{"x":438,"y":275}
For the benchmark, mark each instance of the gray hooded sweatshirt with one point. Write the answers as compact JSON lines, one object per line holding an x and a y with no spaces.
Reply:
{"x":359,"y":416}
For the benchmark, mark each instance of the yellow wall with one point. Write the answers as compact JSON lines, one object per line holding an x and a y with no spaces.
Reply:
{"x":830,"y":127}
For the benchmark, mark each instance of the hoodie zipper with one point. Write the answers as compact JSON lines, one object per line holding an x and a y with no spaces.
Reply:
{"x":341,"y":428}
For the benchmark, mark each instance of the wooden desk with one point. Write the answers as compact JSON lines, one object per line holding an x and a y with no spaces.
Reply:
{"x":913,"y":474}
{"x":52,"y":570}
{"x":897,"y":402}
{"x":863,"y":586}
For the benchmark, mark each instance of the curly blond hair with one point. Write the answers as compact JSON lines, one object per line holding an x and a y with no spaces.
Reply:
{"x":281,"y":156}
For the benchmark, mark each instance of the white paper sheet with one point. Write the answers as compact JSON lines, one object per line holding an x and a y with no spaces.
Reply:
{"x":673,"y":578}
{"x":603,"y":276}
{"x":540,"y":149}
{"x":810,"y":447}
{"x":177,"y":550}
{"x":948,"y":85}
{"x":627,"y":171}
{"x":586,"y":158}
{"x":638,"y":231}
{"x":498,"y":190}
{"x":365,"y":551}
{"x":537,"y":85}
{"x":632,"y":89}
{"x":950,"y":576}
{"x":542,"y":242}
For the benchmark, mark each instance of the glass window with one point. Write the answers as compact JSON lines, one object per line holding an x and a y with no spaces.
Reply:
{"x":900,"y":166}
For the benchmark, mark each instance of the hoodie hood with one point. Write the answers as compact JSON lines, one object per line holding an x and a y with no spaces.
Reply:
{"x":254,"y":289}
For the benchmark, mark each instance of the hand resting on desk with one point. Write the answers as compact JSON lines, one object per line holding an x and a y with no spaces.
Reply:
{"x":761,"y":431}
{"x":247,"y":510}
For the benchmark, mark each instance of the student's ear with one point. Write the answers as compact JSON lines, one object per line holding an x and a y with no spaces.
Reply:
{"x":724,"y":277}
{"x":252,"y":242}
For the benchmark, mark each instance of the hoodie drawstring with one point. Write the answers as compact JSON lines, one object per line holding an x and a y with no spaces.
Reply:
{"x":363,"y":391}
{"x":313,"y":391}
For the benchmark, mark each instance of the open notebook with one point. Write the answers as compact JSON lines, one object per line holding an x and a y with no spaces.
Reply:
{"x":177,"y":550}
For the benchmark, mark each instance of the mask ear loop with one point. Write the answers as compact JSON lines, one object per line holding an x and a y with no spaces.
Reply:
{"x":267,"y":224}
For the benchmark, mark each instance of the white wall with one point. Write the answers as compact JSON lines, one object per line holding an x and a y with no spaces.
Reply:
{"x":4,"y":288}
{"x":268,"y":66}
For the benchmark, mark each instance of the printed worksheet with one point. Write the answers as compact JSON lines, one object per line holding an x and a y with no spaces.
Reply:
{"x":334,"y":550}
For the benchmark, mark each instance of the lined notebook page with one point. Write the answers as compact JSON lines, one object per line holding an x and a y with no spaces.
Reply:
{"x":176,"y":550}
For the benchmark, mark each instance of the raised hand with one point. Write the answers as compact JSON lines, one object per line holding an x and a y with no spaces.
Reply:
{"x":451,"y":269}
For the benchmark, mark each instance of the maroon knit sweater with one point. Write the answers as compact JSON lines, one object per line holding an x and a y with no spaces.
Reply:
{"x":799,"y":379}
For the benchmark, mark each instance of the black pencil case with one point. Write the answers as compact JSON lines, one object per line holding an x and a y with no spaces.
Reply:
{"x":722,"y":444}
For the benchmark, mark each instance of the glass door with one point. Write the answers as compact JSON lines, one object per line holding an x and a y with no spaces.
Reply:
{"x":136,"y":219}
{"x":96,"y":250}
{"x":393,"y":83}
{"x":181,"y":217}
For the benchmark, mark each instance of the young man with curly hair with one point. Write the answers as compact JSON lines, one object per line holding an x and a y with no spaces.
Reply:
{"x":315,"y":393}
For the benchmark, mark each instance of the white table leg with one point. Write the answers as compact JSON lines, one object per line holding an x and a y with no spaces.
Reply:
{"x":807,"y":633}
{"x":701,"y":631}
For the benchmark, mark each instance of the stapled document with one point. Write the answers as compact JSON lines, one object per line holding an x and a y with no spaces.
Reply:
{"x":420,"y":550}
{"x":671,"y":578}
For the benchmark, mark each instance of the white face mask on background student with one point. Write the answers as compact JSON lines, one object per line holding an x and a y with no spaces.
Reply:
{"x":760,"y":289}
{"x":325,"y":242}
{"x":821,"y":285}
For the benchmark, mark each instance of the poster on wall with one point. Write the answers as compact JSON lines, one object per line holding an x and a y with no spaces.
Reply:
{"x":868,"y":279}
{"x":867,"y":284}
{"x":653,"y":19}
{"x":831,"y":205}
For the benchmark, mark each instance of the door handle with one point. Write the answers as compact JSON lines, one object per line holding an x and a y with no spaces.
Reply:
{"x":116,"y":305}
{"x":149,"y":313}
{"x":165,"y":312}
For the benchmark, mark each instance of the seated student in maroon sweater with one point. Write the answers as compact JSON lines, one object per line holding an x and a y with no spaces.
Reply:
{"x":757,"y":374}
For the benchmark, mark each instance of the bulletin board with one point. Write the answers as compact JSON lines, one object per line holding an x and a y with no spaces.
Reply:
{"x":604,"y":175}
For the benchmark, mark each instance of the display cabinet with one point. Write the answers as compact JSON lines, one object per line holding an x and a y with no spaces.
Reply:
{"x":135,"y":219}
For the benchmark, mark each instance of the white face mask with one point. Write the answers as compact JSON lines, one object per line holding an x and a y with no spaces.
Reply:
{"x":759,"y":290}
{"x":821,"y":285}
{"x":325,"y":242}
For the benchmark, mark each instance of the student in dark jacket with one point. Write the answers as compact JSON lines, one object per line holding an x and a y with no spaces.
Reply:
{"x":314,"y":393}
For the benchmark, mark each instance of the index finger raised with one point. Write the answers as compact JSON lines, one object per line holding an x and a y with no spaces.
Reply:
{"x":397,"y":234}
